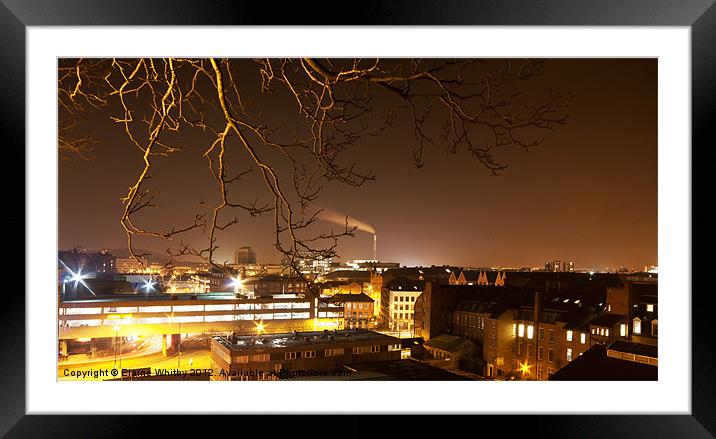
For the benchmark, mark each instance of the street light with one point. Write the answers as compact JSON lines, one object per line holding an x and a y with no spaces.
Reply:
{"x":237,"y":283}
{"x":525,"y":368}
{"x":259,"y":327}
{"x":116,"y":336}
{"x":174,"y":320}
{"x":148,"y":285}
{"x":116,"y":341}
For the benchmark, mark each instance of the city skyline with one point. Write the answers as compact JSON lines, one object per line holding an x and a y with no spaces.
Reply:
{"x":588,"y":194}
{"x":443,"y":182}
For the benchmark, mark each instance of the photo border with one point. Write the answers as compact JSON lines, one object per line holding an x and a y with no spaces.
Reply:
{"x":15,"y":16}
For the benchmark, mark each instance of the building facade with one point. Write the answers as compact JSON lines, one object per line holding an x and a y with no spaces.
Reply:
{"x":130,"y":265}
{"x":523,"y":333}
{"x":275,"y":356}
{"x":357,"y":310}
{"x":399,"y":297}
{"x":274,"y":284}
{"x":91,"y":263}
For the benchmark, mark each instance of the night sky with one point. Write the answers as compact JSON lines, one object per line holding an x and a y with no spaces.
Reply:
{"x":587,"y":194}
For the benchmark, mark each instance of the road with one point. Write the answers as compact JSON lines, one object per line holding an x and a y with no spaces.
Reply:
{"x":199,"y":357}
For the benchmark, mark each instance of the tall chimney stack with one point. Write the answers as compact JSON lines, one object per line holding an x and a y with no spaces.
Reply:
{"x":375,"y":247}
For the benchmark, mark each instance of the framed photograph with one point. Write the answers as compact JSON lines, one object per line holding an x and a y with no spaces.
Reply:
{"x":420,"y":209}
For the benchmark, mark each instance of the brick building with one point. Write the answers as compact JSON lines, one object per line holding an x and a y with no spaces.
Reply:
{"x":357,"y":310}
{"x":270,"y":357}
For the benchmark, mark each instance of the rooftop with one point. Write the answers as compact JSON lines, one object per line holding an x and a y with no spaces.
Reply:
{"x":405,"y":284}
{"x":444,"y":342}
{"x":392,"y":370}
{"x":595,"y":365}
{"x":342,"y":298}
{"x":151,"y":297}
{"x":300,"y":339}
{"x":607,"y":320}
{"x":634,"y":348}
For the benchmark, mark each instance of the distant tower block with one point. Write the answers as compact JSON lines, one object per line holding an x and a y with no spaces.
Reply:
{"x":245,"y":256}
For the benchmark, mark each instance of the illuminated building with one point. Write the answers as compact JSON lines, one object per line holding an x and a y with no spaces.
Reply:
{"x":357,"y":310}
{"x":314,"y":265}
{"x":359,"y":276}
{"x":277,"y":356}
{"x":161,"y":314}
{"x":559,"y":266}
{"x":607,"y":327}
{"x":375,"y":291}
{"x":529,"y":329}
{"x":130,"y":265}
{"x":274,"y":284}
{"x":399,"y":296}
{"x":452,"y":352}
{"x":332,"y":288}
{"x":102,"y":262}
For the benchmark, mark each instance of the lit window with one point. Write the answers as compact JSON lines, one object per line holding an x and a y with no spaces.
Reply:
{"x":514,"y":329}
{"x":583,"y":337}
{"x":607,"y":332}
{"x":530,"y":332}
{"x":650,"y":307}
{"x":309,"y":354}
{"x":594,"y":331}
{"x":622,"y":330}
{"x":260,"y":358}
{"x":374,"y":349}
{"x":521,"y":330}
{"x":569,"y":354}
{"x":569,"y":335}
{"x":290,"y":355}
{"x":637,"y":325}
{"x":541,"y":333}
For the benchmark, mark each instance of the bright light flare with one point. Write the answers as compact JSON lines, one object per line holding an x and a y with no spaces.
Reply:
{"x":78,"y":278}
{"x":149,"y":285}
{"x":237,"y":283}
{"x":259,"y":327}
{"x":525,"y":368}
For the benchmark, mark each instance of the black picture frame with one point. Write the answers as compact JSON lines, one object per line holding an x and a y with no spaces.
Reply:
{"x":699,"y":15}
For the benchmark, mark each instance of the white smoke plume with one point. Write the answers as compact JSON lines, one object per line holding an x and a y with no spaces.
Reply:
{"x":337,"y":218}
